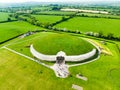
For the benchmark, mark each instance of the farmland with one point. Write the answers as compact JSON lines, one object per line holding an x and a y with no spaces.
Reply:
{"x":47,"y":18}
{"x":4,"y":16}
{"x":12,"y":29}
{"x":57,"y":31}
{"x":85,"y":24}
{"x":55,"y":12}
{"x":100,"y":15}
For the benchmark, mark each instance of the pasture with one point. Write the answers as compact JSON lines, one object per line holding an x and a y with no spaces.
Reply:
{"x":47,"y":18}
{"x":56,"y":12}
{"x":100,"y":15}
{"x":4,"y":16}
{"x":86,"y":24}
{"x":19,"y":72}
{"x":12,"y":29}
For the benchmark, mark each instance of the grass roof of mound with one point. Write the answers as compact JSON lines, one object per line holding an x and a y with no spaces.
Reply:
{"x":53,"y":43}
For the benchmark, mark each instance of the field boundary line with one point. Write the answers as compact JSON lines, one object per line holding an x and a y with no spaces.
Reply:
{"x":17,"y":41}
{"x":26,"y":57}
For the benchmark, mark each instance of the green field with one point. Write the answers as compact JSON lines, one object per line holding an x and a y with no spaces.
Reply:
{"x":42,"y":8}
{"x":4,"y":16}
{"x":47,"y":18}
{"x":85,"y":24}
{"x":12,"y":29}
{"x":23,"y":72}
{"x":55,"y":12}
{"x":20,"y":70}
{"x":100,"y":15}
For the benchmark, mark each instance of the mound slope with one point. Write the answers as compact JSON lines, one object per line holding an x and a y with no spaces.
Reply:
{"x":71,"y":45}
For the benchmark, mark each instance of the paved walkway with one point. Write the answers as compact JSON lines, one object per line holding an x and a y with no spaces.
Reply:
{"x":76,"y":87}
{"x":61,"y":70}
{"x":81,"y":77}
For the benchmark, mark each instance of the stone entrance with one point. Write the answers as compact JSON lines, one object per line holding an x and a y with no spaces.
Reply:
{"x":60,"y":60}
{"x":60,"y":68}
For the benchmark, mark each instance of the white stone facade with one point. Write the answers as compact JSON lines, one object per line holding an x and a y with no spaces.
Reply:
{"x":74,"y":58}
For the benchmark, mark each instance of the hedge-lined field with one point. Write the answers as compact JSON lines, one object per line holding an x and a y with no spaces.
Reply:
{"x":99,"y":15}
{"x":86,"y":24}
{"x":4,"y":16}
{"x":12,"y":29}
{"x":56,"y":12}
{"x":47,"y":18}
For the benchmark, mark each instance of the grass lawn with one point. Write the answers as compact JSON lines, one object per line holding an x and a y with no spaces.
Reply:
{"x":100,"y":72}
{"x":85,"y":24}
{"x":11,"y":29}
{"x":47,"y":18}
{"x":17,"y":72}
{"x":51,"y":43}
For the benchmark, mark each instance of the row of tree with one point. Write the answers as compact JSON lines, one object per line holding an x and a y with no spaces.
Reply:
{"x":96,"y":16}
{"x":33,"y":21}
{"x":109,"y":36}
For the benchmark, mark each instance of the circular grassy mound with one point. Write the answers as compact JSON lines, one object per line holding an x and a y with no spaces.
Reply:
{"x":52,"y":43}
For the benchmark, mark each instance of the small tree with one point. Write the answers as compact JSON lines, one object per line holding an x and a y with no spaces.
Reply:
{"x":110,"y":36}
{"x":9,"y":19}
{"x":100,"y":34}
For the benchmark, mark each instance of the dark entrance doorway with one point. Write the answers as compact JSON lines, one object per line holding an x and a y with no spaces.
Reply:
{"x":60,"y":60}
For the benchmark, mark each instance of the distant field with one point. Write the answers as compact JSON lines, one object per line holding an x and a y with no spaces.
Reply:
{"x":100,"y":15}
{"x":84,"y":10}
{"x":47,"y":18}
{"x":4,"y":16}
{"x":42,"y":8}
{"x":86,"y":24}
{"x":56,"y":12}
{"x":11,"y":29}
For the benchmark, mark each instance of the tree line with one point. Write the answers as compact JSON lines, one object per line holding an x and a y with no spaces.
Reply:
{"x":34,"y":21}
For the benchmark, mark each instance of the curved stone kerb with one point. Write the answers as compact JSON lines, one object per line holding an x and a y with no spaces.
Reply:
{"x":73,"y":58}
